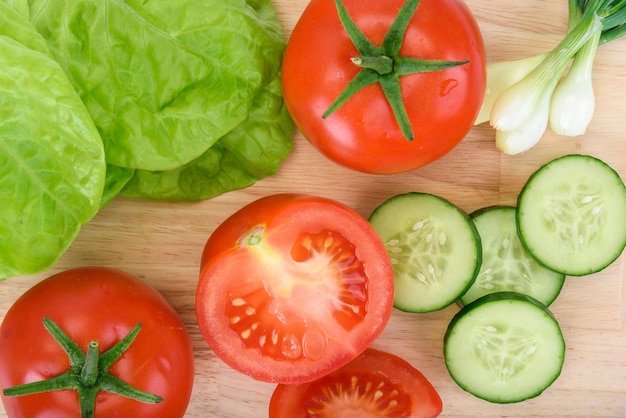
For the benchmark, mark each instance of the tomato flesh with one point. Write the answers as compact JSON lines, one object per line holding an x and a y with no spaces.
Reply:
{"x":375,"y":384}
{"x":251,"y":313}
{"x":302,"y":291}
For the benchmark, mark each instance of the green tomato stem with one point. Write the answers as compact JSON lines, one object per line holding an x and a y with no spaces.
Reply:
{"x":384,"y":65}
{"x":381,"y":64}
{"x":88,"y":373}
{"x":61,"y":382}
{"x":87,"y":400}
{"x":75,"y":354}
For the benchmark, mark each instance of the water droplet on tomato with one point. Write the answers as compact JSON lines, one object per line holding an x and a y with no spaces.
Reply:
{"x":314,"y":344}
{"x":447,"y":86}
{"x":291,"y":346}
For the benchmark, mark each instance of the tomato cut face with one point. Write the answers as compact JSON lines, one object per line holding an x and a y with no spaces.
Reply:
{"x":293,"y":287}
{"x":375,"y":384}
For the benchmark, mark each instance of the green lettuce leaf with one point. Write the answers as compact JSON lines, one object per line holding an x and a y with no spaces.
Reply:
{"x":162,"y":79}
{"x":160,"y":99}
{"x":251,"y":151}
{"x":15,"y":26}
{"x":116,"y":179}
{"x":52,"y":166}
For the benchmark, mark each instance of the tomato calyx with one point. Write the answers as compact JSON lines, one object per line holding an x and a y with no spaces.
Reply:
{"x":384,"y":65}
{"x":88,"y":374}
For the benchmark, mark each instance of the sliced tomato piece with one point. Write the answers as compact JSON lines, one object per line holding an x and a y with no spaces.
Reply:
{"x":293,"y":287}
{"x":375,"y":384}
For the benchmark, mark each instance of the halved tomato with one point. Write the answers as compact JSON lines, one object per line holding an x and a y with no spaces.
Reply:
{"x":375,"y":384}
{"x":293,"y":287}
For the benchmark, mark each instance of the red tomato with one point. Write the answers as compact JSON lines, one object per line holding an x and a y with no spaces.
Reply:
{"x":103,"y":305}
{"x":375,"y":384}
{"x":363,"y":134}
{"x":293,"y":287}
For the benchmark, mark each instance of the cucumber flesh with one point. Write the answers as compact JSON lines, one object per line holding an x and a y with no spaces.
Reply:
{"x":506,"y":265}
{"x":434,"y":248}
{"x":571,"y":215}
{"x":504,"y":347}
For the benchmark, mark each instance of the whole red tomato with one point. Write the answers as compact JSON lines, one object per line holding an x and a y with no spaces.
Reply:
{"x":292,"y":287}
{"x":375,"y":384}
{"x":96,"y":305}
{"x":365,"y":132}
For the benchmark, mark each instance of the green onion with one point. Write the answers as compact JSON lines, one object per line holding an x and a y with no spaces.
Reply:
{"x":502,"y":75}
{"x":524,"y":96}
{"x":573,"y":102}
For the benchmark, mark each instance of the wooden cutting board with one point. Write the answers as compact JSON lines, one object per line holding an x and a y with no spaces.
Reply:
{"x":161,"y":242}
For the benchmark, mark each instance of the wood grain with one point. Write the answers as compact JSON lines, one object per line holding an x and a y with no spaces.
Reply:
{"x":161,"y":242}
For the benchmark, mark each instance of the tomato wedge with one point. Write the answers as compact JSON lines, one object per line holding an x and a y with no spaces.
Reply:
{"x":293,"y":287}
{"x":375,"y":384}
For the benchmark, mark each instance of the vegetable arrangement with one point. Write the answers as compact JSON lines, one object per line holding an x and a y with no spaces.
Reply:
{"x":504,"y":345}
{"x":524,"y":96}
{"x":268,"y":269}
{"x":156,"y":100}
{"x":293,"y":289}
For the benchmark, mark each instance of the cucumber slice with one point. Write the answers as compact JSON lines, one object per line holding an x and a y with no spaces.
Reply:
{"x":434,"y":247}
{"x":572,"y":215}
{"x":506,"y":265}
{"x":504,"y":347}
